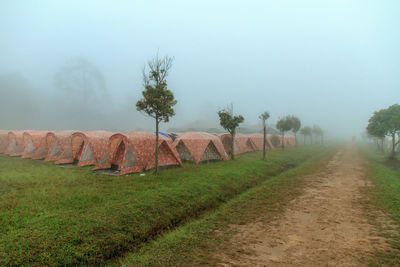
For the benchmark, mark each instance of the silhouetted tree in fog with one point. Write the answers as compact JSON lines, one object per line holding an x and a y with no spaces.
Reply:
{"x":284,"y":125}
{"x":230,"y":123}
{"x":264,"y":117}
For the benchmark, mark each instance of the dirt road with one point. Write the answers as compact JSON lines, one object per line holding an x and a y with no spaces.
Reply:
{"x":325,"y":226}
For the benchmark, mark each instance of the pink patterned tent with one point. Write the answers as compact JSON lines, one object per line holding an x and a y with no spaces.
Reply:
{"x":86,"y":148}
{"x":290,"y":140}
{"x":53,"y":145}
{"x":258,"y":141}
{"x":242,"y":144}
{"x":199,"y":146}
{"x":3,"y":141}
{"x":134,"y":152}
{"x":275,"y":140}
{"x":15,"y":143}
{"x":32,"y":140}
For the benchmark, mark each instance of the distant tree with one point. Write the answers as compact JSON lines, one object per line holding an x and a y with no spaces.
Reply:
{"x":386,"y":122}
{"x":264,"y":117}
{"x":158,"y":100}
{"x":81,"y":78}
{"x":230,"y":123}
{"x":376,"y":128}
{"x":284,"y":125}
{"x":318,"y":132}
{"x":296,"y":124}
{"x":305,"y":131}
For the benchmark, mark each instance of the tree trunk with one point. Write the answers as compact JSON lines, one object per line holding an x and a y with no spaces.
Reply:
{"x":233,"y":146}
{"x":393,"y":154}
{"x":265,"y":136}
{"x":283,"y":141}
{"x":156,"y":154}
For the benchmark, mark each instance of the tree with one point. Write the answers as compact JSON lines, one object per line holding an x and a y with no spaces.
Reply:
{"x":296,"y":124}
{"x":264,"y":117}
{"x":284,"y":125}
{"x":158,"y":100}
{"x":318,"y":132}
{"x":305,"y":131}
{"x":376,"y":128}
{"x":230,"y":123}
{"x":386,"y":122}
{"x":83,"y":79}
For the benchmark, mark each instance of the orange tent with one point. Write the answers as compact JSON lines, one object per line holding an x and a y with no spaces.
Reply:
{"x":86,"y":148}
{"x":3,"y":141}
{"x":258,"y":141}
{"x":15,"y":145}
{"x":199,"y":146}
{"x":242,"y":144}
{"x":134,"y":152}
{"x":53,"y":145}
{"x":32,"y":140}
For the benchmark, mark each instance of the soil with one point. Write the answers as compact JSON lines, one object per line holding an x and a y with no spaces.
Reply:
{"x":325,"y":226}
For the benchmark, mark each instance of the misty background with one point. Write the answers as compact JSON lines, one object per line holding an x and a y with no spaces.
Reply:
{"x":331,"y":63}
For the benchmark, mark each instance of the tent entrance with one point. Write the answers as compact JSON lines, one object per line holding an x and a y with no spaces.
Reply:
{"x":118,"y":156}
{"x":184,"y":152}
{"x":77,"y":148}
{"x":227,"y":142}
{"x":211,"y":153}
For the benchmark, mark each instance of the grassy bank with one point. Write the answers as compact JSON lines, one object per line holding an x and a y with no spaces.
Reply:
{"x":385,"y":197}
{"x":196,"y":243}
{"x":58,"y":216}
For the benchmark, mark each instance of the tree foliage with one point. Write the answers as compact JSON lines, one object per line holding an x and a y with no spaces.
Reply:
{"x":230,"y":123}
{"x":386,"y":122}
{"x":284,"y":125}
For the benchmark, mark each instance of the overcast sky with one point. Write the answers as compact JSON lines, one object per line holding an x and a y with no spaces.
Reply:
{"x":329,"y":62}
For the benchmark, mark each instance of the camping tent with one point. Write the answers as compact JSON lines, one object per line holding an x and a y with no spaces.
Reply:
{"x":134,"y":152}
{"x":258,"y":141}
{"x":275,"y":140}
{"x":3,"y":141}
{"x":32,"y":140}
{"x":290,"y":140}
{"x":15,"y":143}
{"x":199,"y":146}
{"x":86,"y":148}
{"x":242,"y":144}
{"x":53,"y":145}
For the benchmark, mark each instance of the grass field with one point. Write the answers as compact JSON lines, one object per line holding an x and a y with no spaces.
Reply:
{"x":69,"y":216}
{"x":195,"y":243}
{"x":385,"y":197}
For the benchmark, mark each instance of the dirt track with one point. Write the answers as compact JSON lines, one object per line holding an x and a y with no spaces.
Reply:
{"x":325,"y":226}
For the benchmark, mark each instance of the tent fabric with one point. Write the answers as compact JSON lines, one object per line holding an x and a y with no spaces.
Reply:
{"x":258,"y":141}
{"x":3,"y":141}
{"x":199,"y":146}
{"x":86,"y":148}
{"x":134,"y":152}
{"x":32,"y":140}
{"x":15,"y":145}
{"x":275,"y":140}
{"x":52,"y":146}
{"x":290,"y":140}
{"x":242,"y":144}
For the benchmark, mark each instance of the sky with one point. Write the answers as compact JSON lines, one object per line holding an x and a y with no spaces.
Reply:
{"x":331,"y":63}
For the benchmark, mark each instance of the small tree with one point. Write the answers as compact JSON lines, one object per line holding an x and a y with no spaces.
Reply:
{"x":305,"y":131}
{"x":296,"y":124}
{"x":318,"y":132}
{"x":284,"y":125}
{"x":158,"y":100}
{"x":264,"y":117}
{"x":376,"y":128}
{"x":230,"y":123}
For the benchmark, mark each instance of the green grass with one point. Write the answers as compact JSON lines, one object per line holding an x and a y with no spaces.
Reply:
{"x":384,"y":197}
{"x":196,"y":243}
{"x":59,"y":216}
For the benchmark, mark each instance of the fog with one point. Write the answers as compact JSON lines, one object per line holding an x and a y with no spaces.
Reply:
{"x":330,"y":63}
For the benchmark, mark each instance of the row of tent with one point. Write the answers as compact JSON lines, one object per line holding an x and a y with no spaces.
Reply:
{"x":130,"y":151}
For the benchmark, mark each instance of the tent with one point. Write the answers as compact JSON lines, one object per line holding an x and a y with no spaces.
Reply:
{"x":15,"y":143}
{"x":86,"y":148}
{"x":3,"y":141}
{"x":258,"y":141}
{"x":53,"y":145}
{"x":32,"y":140}
{"x":134,"y":152}
{"x":290,"y":140}
{"x":275,"y":140}
{"x":242,"y":144}
{"x":199,"y":146}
